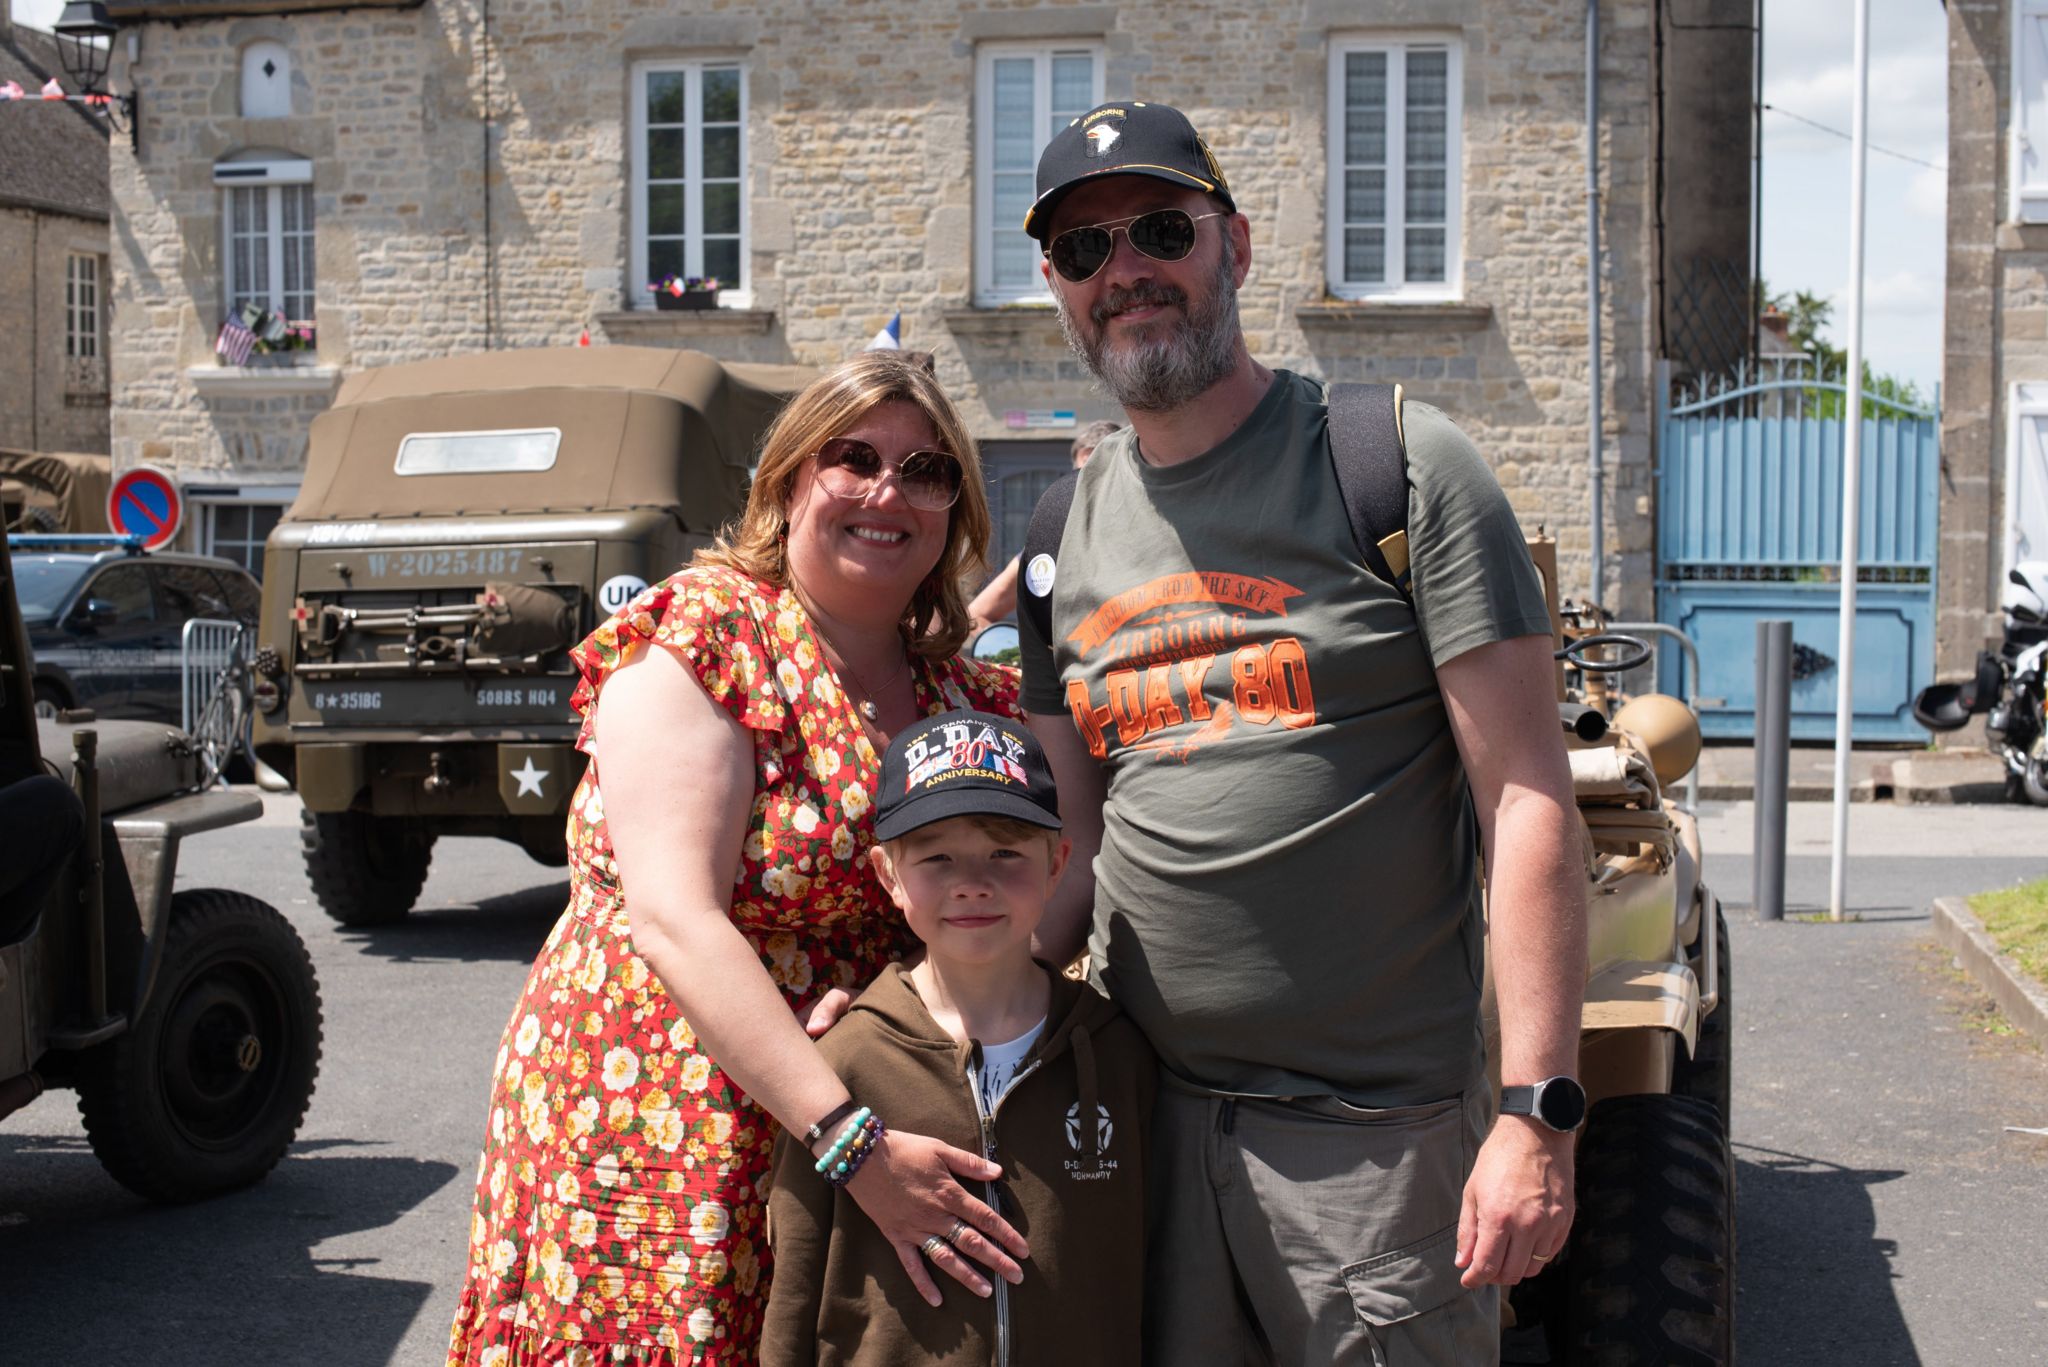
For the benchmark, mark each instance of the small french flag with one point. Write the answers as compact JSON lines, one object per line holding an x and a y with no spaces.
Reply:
{"x":889,"y":338}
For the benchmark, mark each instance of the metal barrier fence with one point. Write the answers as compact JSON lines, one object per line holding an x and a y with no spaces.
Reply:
{"x":213,"y":703}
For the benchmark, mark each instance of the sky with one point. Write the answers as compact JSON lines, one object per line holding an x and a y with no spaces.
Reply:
{"x":1808,"y":71}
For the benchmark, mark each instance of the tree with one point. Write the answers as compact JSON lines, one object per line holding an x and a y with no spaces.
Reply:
{"x":1807,"y":317}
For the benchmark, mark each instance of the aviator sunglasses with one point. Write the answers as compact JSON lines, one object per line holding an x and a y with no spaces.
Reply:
{"x":851,"y":469}
{"x":1163,"y":235}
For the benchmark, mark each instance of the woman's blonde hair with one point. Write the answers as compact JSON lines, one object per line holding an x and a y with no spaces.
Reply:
{"x":936,"y":624}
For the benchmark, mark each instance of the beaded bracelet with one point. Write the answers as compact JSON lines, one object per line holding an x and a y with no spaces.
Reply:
{"x":858,"y":1150}
{"x":846,"y":1137}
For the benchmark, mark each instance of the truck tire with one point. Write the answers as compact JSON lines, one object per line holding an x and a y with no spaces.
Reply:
{"x":1650,"y":1270}
{"x":1708,"y":1074}
{"x":206,"y":1089}
{"x":365,"y":870}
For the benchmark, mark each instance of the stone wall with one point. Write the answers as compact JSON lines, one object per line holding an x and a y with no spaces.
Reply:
{"x":861,"y":203}
{"x":48,"y":401}
{"x":1995,"y":331}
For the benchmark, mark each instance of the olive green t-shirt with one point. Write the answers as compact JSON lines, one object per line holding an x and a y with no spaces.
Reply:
{"x":1287,"y":895}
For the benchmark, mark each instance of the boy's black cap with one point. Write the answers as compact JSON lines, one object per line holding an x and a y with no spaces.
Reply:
{"x":964,"y":764}
{"x":1124,"y":138}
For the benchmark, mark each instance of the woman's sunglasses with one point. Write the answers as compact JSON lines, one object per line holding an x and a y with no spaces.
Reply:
{"x":849,"y":468}
{"x":1163,"y":235}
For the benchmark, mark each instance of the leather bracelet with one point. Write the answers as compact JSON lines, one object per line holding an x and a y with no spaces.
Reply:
{"x":831,"y":1119}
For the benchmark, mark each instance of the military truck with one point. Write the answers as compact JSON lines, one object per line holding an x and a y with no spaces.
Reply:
{"x":464,"y":522}
{"x":1648,"y":1277}
{"x":188,"y":1021}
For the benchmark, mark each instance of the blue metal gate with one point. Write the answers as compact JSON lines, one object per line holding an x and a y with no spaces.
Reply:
{"x":1749,"y":527}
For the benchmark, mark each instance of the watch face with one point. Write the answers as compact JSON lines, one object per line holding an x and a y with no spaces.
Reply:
{"x":1561,"y":1104}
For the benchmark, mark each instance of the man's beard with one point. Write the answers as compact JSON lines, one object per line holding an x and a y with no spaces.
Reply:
{"x":1155,"y":374}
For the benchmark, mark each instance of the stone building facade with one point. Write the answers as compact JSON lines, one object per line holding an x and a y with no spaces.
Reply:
{"x":1994,"y":420}
{"x":53,"y":259}
{"x":1414,"y":173}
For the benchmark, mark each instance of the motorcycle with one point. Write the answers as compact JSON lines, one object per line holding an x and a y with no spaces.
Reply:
{"x":2007,"y":688}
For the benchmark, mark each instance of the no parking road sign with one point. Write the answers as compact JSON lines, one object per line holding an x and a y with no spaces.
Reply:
{"x":145,"y":502}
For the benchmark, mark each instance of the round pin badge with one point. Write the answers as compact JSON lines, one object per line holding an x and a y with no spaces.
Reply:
{"x":620,"y":590}
{"x":1038,"y":575}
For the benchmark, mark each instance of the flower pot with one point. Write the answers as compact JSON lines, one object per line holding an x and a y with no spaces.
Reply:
{"x":688,"y":299}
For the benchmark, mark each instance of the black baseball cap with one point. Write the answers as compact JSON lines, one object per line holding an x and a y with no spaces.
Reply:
{"x":1124,"y":138}
{"x":964,"y":764}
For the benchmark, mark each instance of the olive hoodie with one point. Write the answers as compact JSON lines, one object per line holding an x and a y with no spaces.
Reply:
{"x":839,"y":1297}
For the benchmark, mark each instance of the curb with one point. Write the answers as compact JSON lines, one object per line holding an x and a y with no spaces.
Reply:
{"x":2024,"y":1001}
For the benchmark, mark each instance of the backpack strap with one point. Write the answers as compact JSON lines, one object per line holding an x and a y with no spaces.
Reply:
{"x":1370,"y":455}
{"x":1041,"y":551}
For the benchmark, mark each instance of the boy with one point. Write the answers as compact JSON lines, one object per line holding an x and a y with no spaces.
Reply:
{"x":986,"y":1049}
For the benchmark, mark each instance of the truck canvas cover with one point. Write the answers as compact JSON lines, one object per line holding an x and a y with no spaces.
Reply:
{"x":580,"y":429}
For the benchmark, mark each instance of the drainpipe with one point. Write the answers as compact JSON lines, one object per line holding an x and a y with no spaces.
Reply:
{"x":1595,"y":482}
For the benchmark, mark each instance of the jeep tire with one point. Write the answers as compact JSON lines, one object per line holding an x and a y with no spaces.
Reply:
{"x":206,"y":1088}
{"x":365,"y":870}
{"x":1707,"y":1073}
{"x":1650,"y":1269}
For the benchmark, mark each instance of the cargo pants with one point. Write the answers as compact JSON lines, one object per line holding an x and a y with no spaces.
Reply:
{"x":1294,"y":1231}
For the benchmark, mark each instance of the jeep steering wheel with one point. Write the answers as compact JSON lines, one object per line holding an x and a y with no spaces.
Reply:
{"x":1621,"y":664}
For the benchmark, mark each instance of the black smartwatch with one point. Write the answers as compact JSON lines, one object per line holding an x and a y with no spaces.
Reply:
{"x":1559,"y":1102}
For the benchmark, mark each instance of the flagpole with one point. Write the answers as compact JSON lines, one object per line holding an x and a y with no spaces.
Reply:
{"x":1852,"y":459}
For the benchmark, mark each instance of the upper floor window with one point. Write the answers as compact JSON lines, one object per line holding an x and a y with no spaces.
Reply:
{"x":1395,"y":159}
{"x":266,"y":81}
{"x":2029,"y":134}
{"x":267,"y":232}
{"x":1023,"y":94}
{"x":81,"y":305}
{"x":689,"y":172}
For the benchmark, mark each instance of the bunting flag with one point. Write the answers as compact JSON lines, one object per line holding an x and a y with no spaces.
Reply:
{"x":234,"y":342}
{"x":889,"y":338}
{"x":12,"y":91}
{"x":51,"y":90}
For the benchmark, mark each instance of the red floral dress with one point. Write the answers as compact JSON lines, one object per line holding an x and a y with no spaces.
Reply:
{"x":621,"y":1193}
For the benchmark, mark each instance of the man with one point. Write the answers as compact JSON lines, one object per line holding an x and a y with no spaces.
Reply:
{"x":998,"y":598}
{"x":1286,"y":777}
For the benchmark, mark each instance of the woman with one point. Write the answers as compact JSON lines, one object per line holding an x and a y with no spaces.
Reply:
{"x":721,"y":896}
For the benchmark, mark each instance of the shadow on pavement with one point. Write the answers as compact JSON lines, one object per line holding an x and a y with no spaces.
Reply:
{"x":1814,"y":1283}
{"x":511,"y":926}
{"x":94,"y":1274}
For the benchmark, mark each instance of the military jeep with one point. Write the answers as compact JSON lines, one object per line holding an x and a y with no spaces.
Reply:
{"x":462,"y":524}
{"x":1648,"y":1276}
{"x":188,"y":1021}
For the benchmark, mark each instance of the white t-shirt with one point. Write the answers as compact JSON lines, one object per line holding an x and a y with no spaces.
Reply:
{"x":999,"y":1064}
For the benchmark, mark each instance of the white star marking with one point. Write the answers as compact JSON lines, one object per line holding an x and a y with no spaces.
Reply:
{"x":529,"y":778}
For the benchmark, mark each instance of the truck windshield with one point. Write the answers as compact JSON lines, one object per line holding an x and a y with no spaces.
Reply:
{"x":41,"y":582}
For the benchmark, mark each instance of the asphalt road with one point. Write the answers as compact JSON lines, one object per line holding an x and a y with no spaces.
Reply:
{"x":1885,"y":1216}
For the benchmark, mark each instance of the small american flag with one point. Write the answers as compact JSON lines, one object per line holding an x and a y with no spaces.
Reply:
{"x":235,"y":342}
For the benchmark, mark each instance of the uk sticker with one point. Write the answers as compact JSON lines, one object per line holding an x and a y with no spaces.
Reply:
{"x":1038,"y":575}
{"x":620,"y":590}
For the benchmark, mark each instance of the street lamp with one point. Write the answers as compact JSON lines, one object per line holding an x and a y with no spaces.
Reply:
{"x":85,"y":40}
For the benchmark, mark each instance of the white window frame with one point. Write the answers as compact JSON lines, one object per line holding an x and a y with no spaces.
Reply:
{"x":2027,"y":200}
{"x":1397,"y":45}
{"x":986,"y":293}
{"x":269,"y":176}
{"x":82,"y":330}
{"x":731,"y":293}
{"x":209,"y":501}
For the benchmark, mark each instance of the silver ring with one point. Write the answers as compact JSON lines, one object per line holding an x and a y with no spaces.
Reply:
{"x":959,"y":1228}
{"x":932,"y":1245}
